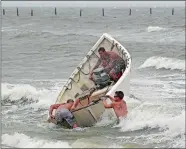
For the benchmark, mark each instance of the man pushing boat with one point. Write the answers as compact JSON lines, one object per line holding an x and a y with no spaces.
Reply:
{"x":64,"y":110}
{"x":118,"y":104}
{"x":62,"y":113}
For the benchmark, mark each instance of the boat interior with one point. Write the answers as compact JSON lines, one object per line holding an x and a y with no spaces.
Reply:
{"x":80,"y":86}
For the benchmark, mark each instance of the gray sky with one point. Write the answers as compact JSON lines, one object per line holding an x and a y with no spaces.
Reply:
{"x":93,"y":3}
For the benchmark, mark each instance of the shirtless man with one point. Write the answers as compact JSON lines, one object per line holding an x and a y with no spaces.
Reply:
{"x":118,"y":104}
{"x":62,"y":112}
{"x":112,"y":63}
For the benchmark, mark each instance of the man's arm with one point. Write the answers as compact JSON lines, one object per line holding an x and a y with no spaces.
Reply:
{"x":106,"y":105}
{"x":75,"y":104}
{"x":110,"y":97}
{"x":96,"y":66}
{"x":52,"y":107}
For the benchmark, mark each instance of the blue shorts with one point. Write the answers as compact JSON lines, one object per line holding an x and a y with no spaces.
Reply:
{"x":64,"y":114}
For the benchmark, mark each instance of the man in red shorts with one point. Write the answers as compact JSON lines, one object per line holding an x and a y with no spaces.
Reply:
{"x":112,"y":63}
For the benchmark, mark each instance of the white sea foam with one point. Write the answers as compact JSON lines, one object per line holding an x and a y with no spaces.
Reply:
{"x":157,"y":116}
{"x":154,"y":29}
{"x":164,"y":62}
{"x":93,"y":142}
{"x":23,"y":141}
{"x":40,"y":98}
{"x":156,"y":111}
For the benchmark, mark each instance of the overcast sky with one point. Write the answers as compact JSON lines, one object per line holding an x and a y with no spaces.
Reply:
{"x":93,"y":3}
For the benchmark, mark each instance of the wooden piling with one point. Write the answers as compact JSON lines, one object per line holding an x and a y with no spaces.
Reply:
{"x":55,"y":11}
{"x":31,"y":12}
{"x":130,"y":11}
{"x":172,"y":11}
{"x":80,"y":12}
{"x":17,"y":12}
{"x":103,"y":13}
{"x":3,"y":11}
{"x":150,"y":10}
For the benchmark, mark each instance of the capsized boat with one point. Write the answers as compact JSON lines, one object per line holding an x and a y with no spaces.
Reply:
{"x":90,"y":109}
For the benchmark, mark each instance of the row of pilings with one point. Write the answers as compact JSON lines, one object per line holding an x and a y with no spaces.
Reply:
{"x":80,"y":12}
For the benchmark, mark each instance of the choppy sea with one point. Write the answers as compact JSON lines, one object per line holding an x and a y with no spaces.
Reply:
{"x":39,"y":53}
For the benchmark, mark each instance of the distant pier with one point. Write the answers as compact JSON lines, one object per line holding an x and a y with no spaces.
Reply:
{"x":80,"y":12}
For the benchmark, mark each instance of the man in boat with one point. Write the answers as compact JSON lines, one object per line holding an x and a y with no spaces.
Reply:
{"x":112,"y":63}
{"x":62,"y":113}
{"x":118,"y":104}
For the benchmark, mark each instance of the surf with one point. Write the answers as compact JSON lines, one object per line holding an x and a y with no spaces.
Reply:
{"x":159,"y":62}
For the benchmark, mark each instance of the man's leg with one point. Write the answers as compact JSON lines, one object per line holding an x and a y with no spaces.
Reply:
{"x":70,"y":119}
{"x":113,"y":75}
{"x":58,"y":117}
{"x":116,"y":72}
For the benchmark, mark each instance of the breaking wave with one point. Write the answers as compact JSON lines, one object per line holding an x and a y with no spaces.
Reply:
{"x":159,"y":110}
{"x":172,"y":128}
{"x":164,"y":62}
{"x":154,"y":29}
{"x":26,"y":94}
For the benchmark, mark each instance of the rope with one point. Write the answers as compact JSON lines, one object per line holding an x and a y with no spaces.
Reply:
{"x":88,"y":58}
{"x":93,"y":102}
{"x":109,"y":86}
{"x":70,"y":86}
{"x":88,"y":101}
{"x":78,"y":78}
{"x":80,"y":102}
{"x":95,"y":54}
{"x":82,"y":71}
{"x":91,"y":92}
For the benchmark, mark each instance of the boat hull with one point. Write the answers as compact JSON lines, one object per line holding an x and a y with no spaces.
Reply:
{"x":79,"y":82}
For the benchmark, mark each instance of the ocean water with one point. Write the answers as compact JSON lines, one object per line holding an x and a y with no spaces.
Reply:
{"x":40,"y":52}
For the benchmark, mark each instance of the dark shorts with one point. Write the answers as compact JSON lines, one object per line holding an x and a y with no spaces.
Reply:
{"x":119,"y":67}
{"x":64,"y":114}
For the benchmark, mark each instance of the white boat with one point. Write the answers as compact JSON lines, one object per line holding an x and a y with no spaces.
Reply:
{"x":79,"y":83}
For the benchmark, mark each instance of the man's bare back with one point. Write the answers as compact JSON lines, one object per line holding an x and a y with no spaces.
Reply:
{"x":65,"y":106}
